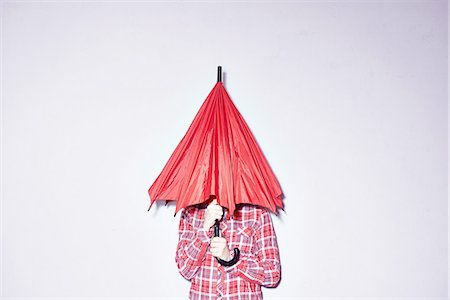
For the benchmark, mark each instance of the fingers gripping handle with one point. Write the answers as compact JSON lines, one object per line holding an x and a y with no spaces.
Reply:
{"x":236,"y":250}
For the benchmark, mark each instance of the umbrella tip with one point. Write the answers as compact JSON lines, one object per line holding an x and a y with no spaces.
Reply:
{"x":219,"y":74}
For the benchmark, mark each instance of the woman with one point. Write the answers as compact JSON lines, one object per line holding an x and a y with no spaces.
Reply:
{"x":250,"y":230}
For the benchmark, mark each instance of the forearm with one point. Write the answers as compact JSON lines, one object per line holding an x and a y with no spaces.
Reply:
{"x":191,"y":253}
{"x":263,"y":272}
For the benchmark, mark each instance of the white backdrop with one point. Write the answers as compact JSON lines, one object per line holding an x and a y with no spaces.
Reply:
{"x":348,"y":101}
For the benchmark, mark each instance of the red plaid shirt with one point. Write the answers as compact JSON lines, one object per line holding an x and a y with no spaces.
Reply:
{"x":251,"y":230}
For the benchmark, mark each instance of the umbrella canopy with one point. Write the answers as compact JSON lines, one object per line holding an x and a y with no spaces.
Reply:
{"x":218,"y":157}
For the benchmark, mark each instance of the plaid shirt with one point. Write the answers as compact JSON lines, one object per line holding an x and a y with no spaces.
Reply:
{"x":251,"y":230}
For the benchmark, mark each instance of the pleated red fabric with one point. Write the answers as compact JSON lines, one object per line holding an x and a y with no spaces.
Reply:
{"x":218,"y":156}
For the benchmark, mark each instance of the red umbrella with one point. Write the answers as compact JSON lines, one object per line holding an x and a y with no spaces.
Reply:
{"x":218,"y":157}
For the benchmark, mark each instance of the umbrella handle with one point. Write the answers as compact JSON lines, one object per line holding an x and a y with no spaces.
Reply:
{"x":236,"y":250}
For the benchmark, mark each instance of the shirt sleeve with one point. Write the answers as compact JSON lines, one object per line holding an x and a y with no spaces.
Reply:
{"x":262,"y":267}
{"x":192,"y":246}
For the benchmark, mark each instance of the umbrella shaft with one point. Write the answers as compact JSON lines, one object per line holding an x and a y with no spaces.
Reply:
{"x":216,"y":228}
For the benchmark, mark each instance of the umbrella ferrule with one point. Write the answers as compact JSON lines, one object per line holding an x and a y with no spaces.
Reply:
{"x":219,"y":74}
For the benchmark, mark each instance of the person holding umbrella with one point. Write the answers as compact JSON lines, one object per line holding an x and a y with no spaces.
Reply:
{"x":218,"y":175}
{"x":199,"y":253}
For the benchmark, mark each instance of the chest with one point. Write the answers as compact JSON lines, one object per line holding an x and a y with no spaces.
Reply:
{"x":240,"y":234}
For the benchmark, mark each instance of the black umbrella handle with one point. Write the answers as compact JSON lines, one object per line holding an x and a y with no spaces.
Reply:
{"x":236,"y":250}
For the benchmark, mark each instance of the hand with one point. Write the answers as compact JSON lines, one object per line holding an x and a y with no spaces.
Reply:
{"x":213,"y":211}
{"x":219,"y":248}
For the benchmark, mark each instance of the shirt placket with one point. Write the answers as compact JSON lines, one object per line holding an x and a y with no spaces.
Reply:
{"x":220,"y":283}
{"x":220,"y":268}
